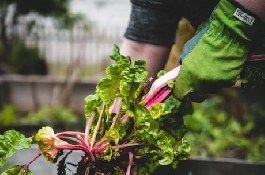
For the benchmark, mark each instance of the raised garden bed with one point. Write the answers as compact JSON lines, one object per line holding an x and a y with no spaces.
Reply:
{"x":192,"y":166}
{"x":30,"y":93}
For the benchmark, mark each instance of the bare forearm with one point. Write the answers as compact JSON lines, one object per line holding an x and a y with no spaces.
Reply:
{"x":256,"y":6}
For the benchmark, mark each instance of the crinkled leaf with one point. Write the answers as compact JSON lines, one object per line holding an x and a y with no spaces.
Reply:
{"x":108,"y":153}
{"x":130,"y":88}
{"x":113,"y":134}
{"x":108,"y":88}
{"x":161,"y":73}
{"x":92,"y":102}
{"x":165,"y":143}
{"x":172,"y":123}
{"x":123,"y":80}
{"x":158,"y":110}
{"x":15,"y":169}
{"x":10,"y":142}
{"x":148,"y":132}
{"x":116,"y":55}
{"x":121,"y":128}
{"x":183,"y":151}
{"x":48,"y":143}
{"x":147,"y":127}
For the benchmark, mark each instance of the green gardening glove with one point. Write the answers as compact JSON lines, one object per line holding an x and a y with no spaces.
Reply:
{"x":214,"y":57}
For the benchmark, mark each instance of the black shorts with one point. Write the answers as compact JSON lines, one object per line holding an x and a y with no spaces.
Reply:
{"x":156,"y":21}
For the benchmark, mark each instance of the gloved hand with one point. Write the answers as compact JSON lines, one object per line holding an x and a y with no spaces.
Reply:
{"x":214,"y":57}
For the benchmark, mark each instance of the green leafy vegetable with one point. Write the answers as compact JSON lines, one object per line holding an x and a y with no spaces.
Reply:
{"x":10,"y":142}
{"x":15,"y":169}
{"x":122,"y":120}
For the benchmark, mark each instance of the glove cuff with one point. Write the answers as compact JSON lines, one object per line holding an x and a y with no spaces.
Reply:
{"x":237,"y":21}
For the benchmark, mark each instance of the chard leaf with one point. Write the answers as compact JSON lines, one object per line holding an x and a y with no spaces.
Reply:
{"x":183,"y":151}
{"x":108,"y":153}
{"x":116,"y":55}
{"x":113,"y":134}
{"x":172,"y":123}
{"x":108,"y":88}
{"x":158,"y":110}
{"x":146,"y":127}
{"x":15,"y":170}
{"x":165,"y":143}
{"x":148,"y":132}
{"x":92,"y":102}
{"x":48,"y":143}
{"x":161,"y":73}
{"x":130,"y":88}
{"x":170,"y":84}
{"x":122,"y":128}
{"x":10,"y":142}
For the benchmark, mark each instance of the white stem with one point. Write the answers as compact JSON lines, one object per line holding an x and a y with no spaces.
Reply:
{"x":97,"y":127}
{"x":114,"y":120}
{"x":162,"y":81}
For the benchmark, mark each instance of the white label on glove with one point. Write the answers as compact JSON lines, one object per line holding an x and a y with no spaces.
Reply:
{"x":244,"y":17}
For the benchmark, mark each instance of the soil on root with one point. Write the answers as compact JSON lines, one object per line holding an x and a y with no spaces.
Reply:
{"x":87,"y":167}
{"x":99,"y":167}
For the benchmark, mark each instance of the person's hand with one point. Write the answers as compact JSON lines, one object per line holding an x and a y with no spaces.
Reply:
{"x":214,"y":57}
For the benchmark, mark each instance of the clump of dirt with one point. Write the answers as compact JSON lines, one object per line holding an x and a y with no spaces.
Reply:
{"x":87,"y":167}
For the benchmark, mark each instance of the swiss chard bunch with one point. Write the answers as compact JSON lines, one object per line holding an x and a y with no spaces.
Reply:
{"x":125,"y":123}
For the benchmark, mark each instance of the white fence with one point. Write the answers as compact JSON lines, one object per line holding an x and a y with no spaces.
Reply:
{"x":79,"y":47}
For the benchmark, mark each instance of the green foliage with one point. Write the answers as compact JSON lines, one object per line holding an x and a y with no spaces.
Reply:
{"x":253,"y":74}
{"x":119,"y":122}
{"x":27,"y":60}
{"x":214,"y":130}
{"x":10,"y":142}
{"x":8,"y":115}
{"x":148,"y":129}
{"x":43,"y":7}
{"x":173,"y":123}
{"x":51,"y":115}
{"x":15,"y":169}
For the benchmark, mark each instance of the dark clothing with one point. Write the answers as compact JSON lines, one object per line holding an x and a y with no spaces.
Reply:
{"x":156,"y":21}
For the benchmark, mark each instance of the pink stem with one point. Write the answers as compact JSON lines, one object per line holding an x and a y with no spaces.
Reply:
{"x":89,"y":121}
{"x":101,"y":148}
{"x":124,"y":118}
{"x":82,"y":141}
{"x":69,"y":133}
{"x":158,"y":98}
{"x":25,"y":166}
{"x":114,"y":120}
{"x":70,"y":138}
{"x":116,"y":106}
{"x":162,"y":81}
{"x":97,"y":126}
{"x":78,"y":147}
{"x":130,"y":163}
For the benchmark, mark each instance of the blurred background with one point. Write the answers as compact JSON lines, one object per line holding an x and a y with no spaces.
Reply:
{"x":53,"y":52}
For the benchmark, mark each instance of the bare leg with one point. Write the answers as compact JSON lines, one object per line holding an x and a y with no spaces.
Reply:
{"x":154,"y":55}
{"x":257,"y":6}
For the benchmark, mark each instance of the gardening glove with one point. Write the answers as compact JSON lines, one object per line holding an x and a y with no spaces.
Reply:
{"x":214,"y":57}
